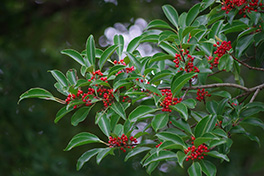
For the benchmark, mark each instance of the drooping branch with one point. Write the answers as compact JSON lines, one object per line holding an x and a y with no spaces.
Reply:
{"x":248,"y":66}
{"x":218,"y":85}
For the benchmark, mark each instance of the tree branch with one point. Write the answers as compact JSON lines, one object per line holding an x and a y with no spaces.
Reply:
{"x":248,"y":66}
{"x":254,"y":96}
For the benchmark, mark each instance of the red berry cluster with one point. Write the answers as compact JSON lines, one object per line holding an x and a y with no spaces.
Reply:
{"x":219,"y":123}
{"x":196,"y":152}
{"x":168,"y":100}
{"x":189,"y":67}
{"x":201,"y":94}
{"x":120,"y":62}
{"x":85,"y":96}
{"x":71,"y":97}
{"x":247,"y":5}
{"x":122,"y":142}
{"x":97,"y":75}
{"x":107,"y":95}
{"x":223,"y":48}
{"x":157,"y":146}
{"x":125,"y":98}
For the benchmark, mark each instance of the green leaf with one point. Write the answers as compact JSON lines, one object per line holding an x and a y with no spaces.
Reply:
{"x":140,"y":111}
{"x":211,"y":107}
{"x":179,"y":81}
{"x":121,"y":83}
{"x":208,"y":168}
{"x":37,"y":93}
{"x":163,"y":155}
{"x":152,"y":89}
{"x":215,"y":29}
{"x":100,"y":82}
{"x":171,"y":14}
{"x":80,"y":115}
{"x":169,"y":145}
{"x":168,"y":48}
{"x":216,"y":154}
{"x":195,"y":169}
{"x":151,"y":167}
{"x":90,"y":51}
{"x":119,"y":109}
{"x":81,"y":139}
{"x":119,"y":40}
{"x":106,"y":54}
{"x":168,"y":136}
{"x":133,"y":44}
{"x":161,"y":75}
{"x":161,"y":58}
{"x":86,"y":157}
{"x":59,"y":76}
{"x":75,"y":55}
{"x":190,"y":103}
{"x":136,"y":151}
{"x":200,"y":140}
{"x":103,"y":153}
{"x":134,"y":61}
{"x":71,"y":75}
{"x":159,"y":121}
{"x":236,"y":26}
{"x":182,"y":20}
{"x":179,"y":123}
{"x":115,"y":69}
{"x":253,"y":121}
{"x":226,"y":62}
{"x":192,"y":14}
{"x":242,"y":44}
{"x":181,"y":157}
{"x":222,"y":93}
{"x":205,"y":125}
{"x":159,"y":24}
{"x":104,"y":125}
{"x":62,"y":112}
{"x":182,"y":109}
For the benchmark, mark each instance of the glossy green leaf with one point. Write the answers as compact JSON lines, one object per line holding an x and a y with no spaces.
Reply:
{"x":181,"y":157}
{"x":133,"y":44}
{"x":182,"y":109}
{"x":152,"y":89}
{"x":121,"y":83}
{"x":180,"y":81}
{"x":254,"y":122}
{"x":192,"y":14}
{"x":208,"y":168}
{"x":168,"y":136}
{"x":100,"y":82}
{"x":190,"y":103}
{"x":163,"y":155}
{"x":200,"y":140}
{"x":136,"y":151}
{"x":226,"y":63}
{"x":113,"y":70}
{"x":106,"y":54}
{"x":236,"y":26}
{"x":119,"y":109}
{"x":72,"y":76}
{"x":140,"y":111}
{"x":211,"y":107}
{"x":119,"y":40}
{"x":103,"y":153}
{"x":161,"y":58}
{"x":195,"y":169}
{"x":182,"y":124}
{"x":37,"y":93}
{"x":159,"y":24}
{"x":60,"y":77}
{"x":90,"y":51}
{"x":161,"y":75}
{"x":104,"y":125}
{"x":182,"y":20}
{"x":242,"y":44}
{"x":169,"y":145}
{"x":222,"y":93}
{"x":215,"y":29}
{"x":135,"y":61}
{"x":61,"y":113}
{"x":75,"y":55}
{"x":205,"y":125}
{"x":171,"y":14}
{"x":82,"y":139}
{"x":168,"y":48}
{"x":151,"y":167}
{"x":86,"y":157}
{"x":216,"y":154}
{"x":159,"y":121}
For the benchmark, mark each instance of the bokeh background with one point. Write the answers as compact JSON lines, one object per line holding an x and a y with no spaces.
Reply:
{"x":32,"y":34}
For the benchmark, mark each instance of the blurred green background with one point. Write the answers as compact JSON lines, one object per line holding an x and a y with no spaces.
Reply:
{"x":32,"y":34}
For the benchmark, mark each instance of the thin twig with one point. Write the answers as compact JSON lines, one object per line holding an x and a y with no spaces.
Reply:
{"x":248,"y":66}
{"x":219,"y":71}
{"x":254,"y":96}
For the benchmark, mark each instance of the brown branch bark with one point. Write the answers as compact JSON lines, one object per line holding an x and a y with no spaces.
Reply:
{"x":248,"y":66}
